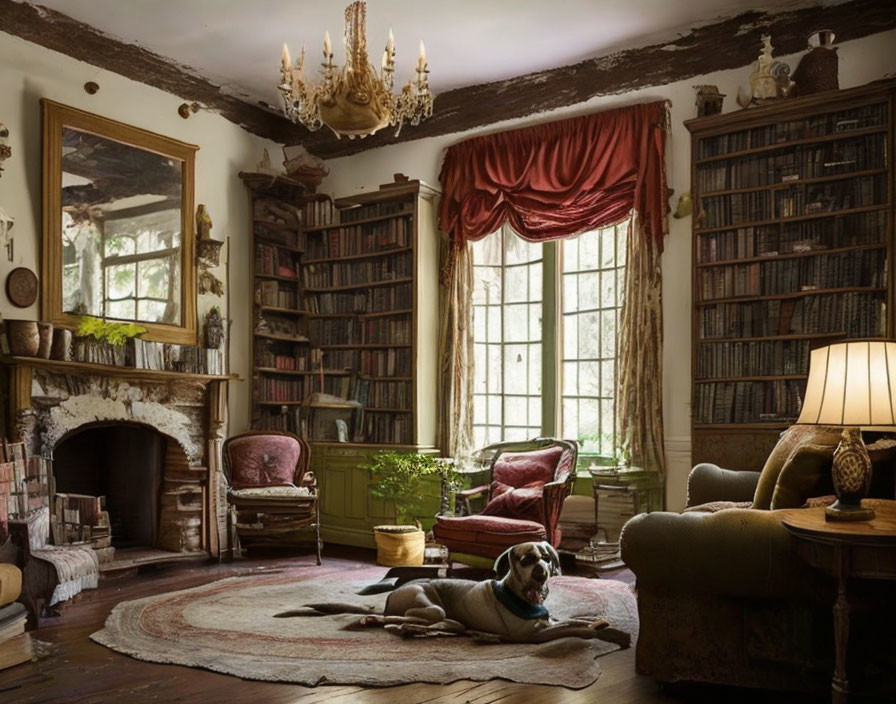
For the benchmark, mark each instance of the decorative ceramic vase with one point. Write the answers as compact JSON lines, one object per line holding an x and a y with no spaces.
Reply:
{"x":23,"y":337}
{"x":817,"y":71}
{"x":62,"y":345}
{"x":214,"y":329}
{"x":45,"y":335}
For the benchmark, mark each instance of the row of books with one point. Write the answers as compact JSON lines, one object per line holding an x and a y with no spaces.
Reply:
{"x":370,"y":238}
{"x":800,"y":162}
{"x":274,"y":261}
{"x":271,"y":293}
{"x":352,"y":273}
{"x":273,"y":419}
{"x":849,"y":230}
{"x":394,"y":330}
{"x":861,"y":267}
{"x":272,"y":356}
{"x":78,"y":518}
{"x":24,"y":487}
{"x":388,"y":428}
{"x":388,"y":394}
{"x":374,"y":210}
{"x":748,"y":401}
{"x":274,"y":235}
{"x":320,"y":212}
{"x":800,"y":199}
{"x":832,"y":196}
{"x":279,"y":389}
{"x":766,"y":358}
{"x":854,"y":314}
{"x":380,"y":299}
{"x":15,"y":644}
{"x":814,"y":126}
{"x":177,"y":358}
{"x":388,"y":362}
{"x":334,"y":331}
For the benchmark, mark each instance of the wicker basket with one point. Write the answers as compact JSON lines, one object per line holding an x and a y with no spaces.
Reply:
{"x":399,"y":545}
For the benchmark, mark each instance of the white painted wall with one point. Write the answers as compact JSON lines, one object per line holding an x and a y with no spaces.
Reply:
{"x":861,"y":61}
{"x":29,"y":72}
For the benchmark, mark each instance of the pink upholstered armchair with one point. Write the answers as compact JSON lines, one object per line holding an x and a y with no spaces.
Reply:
{"x":527,"y":486}
{"x":273,"y":497}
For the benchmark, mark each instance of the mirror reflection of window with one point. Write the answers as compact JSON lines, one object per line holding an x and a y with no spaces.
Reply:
{"x":121,"y":231}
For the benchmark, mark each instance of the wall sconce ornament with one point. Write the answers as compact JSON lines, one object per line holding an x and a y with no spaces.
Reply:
{"x":21,"y":287}
{"x":685,"y":206}
{"x":209,"y":283}
{"x":770,"y":80}
{"x":709,"y":100}
{"x":187,"y":109}
{"x":6,"y":223}
{"x":208,"y":250}
{"x":214,"y":328}
{"x":5,"y":149}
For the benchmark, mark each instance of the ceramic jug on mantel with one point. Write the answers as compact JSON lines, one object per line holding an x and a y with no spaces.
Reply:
{"x":818,"y":69}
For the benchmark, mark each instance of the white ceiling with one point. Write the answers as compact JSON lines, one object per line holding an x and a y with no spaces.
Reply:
{"x":236,"y":43}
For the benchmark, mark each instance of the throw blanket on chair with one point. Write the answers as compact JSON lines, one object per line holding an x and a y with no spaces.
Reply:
{"x":76,"y":566}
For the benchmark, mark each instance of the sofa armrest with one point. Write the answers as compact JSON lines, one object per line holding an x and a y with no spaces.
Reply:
{"x":735,"y":552}
{"x":709,"y":482}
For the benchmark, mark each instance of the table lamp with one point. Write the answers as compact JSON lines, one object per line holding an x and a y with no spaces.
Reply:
{"x":852,"y":384}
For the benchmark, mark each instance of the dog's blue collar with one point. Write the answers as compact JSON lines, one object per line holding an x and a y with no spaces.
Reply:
{"x":517,"y":605}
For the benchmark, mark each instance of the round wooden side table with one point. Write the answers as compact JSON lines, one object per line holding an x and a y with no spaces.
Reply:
{"x":846,"y":550}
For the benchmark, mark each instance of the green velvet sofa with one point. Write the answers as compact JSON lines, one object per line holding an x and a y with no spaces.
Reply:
{"x":722,"y":596}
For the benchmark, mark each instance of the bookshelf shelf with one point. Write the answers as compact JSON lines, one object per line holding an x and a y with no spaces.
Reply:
{"x":364,"y":255}
{"x":361,"y":221}
{"x":355,"y":329}
{"x":792,"y":241}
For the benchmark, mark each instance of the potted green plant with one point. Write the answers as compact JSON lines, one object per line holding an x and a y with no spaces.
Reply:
{"x":401,"y":478}
{"x":104,"y":342}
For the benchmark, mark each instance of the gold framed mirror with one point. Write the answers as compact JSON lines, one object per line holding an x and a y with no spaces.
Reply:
{"x":117,"y":225}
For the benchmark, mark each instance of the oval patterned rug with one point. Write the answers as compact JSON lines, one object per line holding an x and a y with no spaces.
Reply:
{"x":229,"y":626}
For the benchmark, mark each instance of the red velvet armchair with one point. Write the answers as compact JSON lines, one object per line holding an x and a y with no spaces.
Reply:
{"x":528,"y":482}
{"x":272,"y":495}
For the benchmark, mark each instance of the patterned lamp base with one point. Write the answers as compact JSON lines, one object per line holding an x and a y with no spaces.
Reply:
{"x":852,"y":476}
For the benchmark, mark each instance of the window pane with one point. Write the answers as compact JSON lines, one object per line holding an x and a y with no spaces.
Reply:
{"x":516,"y":322}
{"x":591,"y":293}
{"x":122,"y":309}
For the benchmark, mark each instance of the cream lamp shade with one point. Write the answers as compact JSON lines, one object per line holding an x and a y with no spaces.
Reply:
{"x":852,"y":384}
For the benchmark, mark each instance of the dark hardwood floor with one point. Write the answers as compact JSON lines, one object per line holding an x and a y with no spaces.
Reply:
{"x":73,"y":668}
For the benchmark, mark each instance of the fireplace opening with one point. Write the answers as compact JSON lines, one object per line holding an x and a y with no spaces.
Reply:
{"x":123,"y":463}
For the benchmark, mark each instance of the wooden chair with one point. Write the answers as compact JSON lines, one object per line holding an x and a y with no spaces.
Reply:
{"x":527,"y":484}
{"x":273,"y":498}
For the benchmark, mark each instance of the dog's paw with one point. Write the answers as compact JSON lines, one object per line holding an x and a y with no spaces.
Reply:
{"x":598,"y":624}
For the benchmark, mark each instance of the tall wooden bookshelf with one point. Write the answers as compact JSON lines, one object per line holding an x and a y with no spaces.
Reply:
{"x":345,"y":313}
{"x":792,"y":244}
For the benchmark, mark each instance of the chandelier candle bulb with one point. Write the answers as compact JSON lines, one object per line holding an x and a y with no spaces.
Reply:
{"x":327,"y":48}
{"x":285,"y":60}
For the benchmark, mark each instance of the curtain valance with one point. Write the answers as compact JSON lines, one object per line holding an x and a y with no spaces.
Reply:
{"x":560,"y":178}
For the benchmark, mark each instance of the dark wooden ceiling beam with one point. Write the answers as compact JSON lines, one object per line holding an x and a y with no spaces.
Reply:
{"x":727,"y":44}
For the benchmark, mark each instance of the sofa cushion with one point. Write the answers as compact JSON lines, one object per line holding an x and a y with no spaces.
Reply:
{"x":10,"y":583}
{"x":791,"y":438}
{"x":526,"y":502}
{"x":517,"y":469}
{"x":263,"y":460}
{"x":807,"y":472}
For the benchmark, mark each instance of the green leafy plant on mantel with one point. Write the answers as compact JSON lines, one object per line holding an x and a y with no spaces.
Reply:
{"x":401,"y":477}
{"x":112,"y":333}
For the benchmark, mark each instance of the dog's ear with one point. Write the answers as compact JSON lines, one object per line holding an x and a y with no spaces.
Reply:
{"x":548,"y":550}
{"x":502,"y":564}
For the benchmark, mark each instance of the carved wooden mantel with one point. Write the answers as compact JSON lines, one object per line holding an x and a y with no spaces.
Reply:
{"x":46,"y":400}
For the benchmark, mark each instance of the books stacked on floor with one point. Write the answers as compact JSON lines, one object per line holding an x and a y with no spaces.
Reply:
{"x":600,"y":556}
{"x":15,"y":644}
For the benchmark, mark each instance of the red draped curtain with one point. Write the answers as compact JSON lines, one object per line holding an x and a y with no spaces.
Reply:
{"x":552,"y":181}
{"x":561,"y":178}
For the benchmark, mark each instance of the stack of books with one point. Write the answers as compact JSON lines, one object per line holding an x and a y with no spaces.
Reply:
{"x":15,"y":644}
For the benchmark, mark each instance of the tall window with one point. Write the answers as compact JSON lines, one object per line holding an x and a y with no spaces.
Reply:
{"x":545,"y":318}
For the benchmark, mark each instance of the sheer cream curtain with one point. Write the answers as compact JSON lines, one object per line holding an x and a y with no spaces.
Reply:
{"x":639,"y":350}
{"x":455,"y":389}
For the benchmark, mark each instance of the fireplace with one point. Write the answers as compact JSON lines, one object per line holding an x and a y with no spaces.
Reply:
{"x":147,"y":441}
